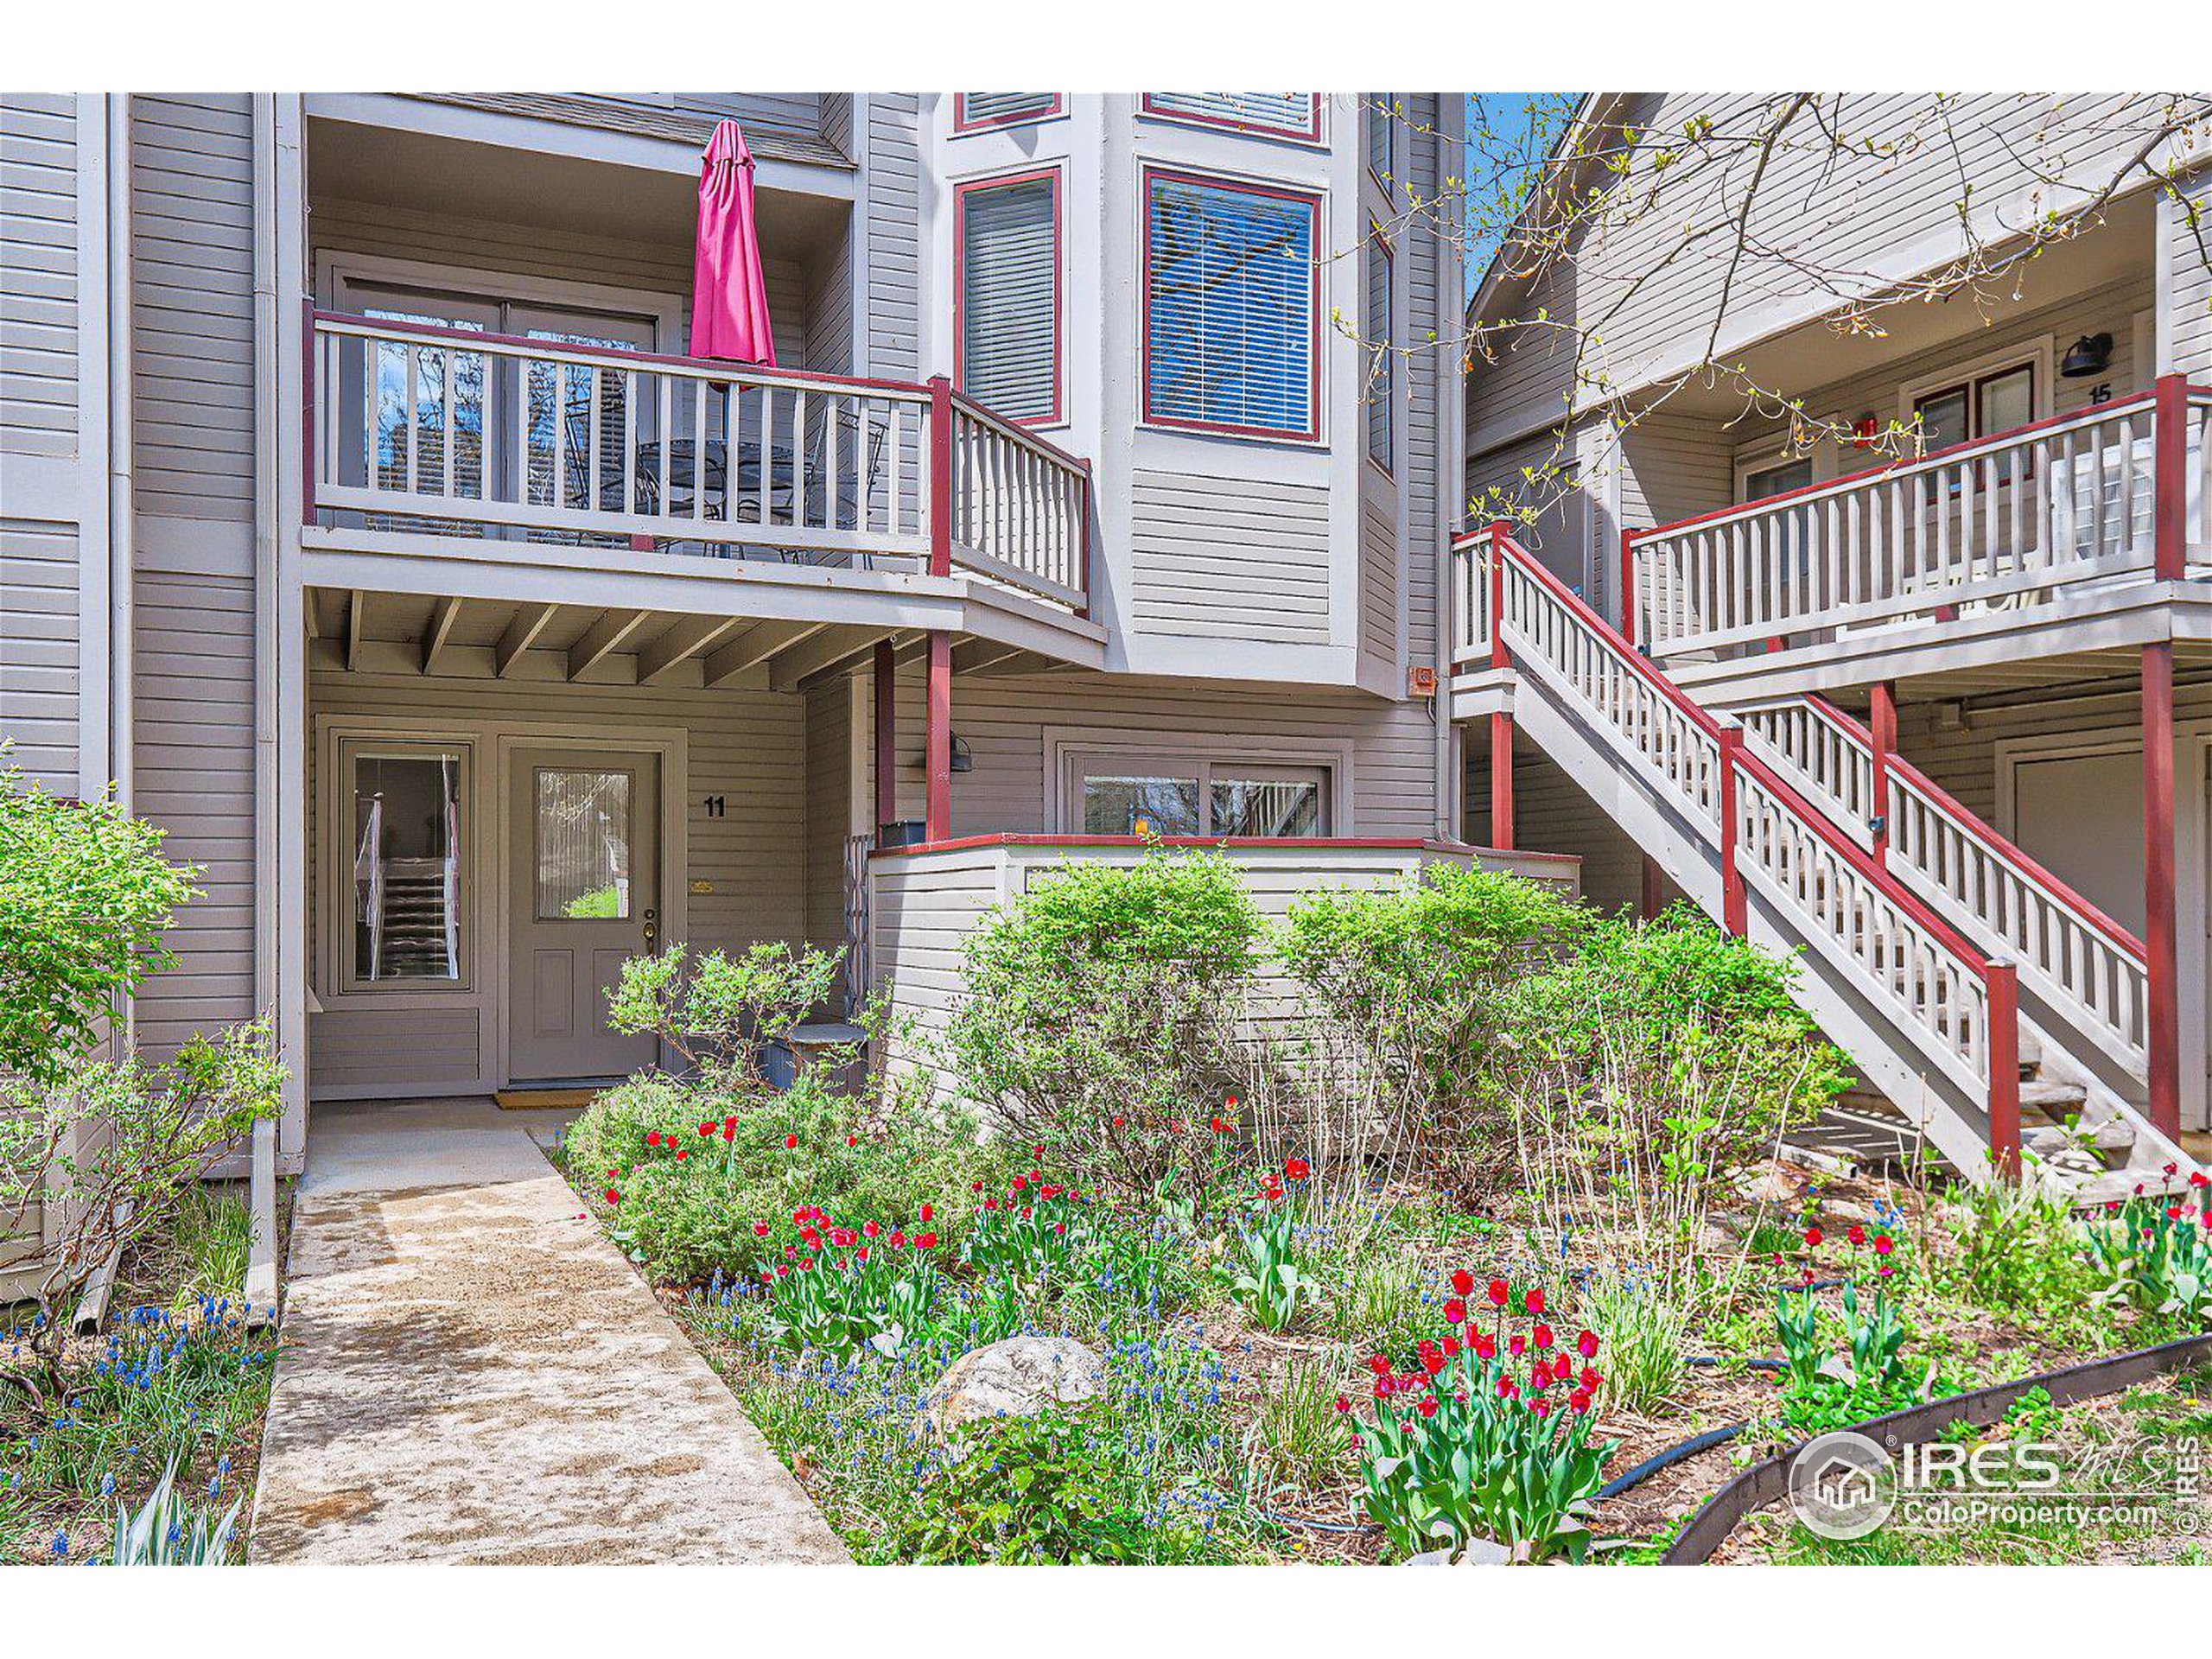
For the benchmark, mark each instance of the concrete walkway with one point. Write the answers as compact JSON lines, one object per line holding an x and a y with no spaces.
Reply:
{"x":471,"y":1373}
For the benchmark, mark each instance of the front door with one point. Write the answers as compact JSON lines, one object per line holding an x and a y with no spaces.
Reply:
{"x":584,"y":899}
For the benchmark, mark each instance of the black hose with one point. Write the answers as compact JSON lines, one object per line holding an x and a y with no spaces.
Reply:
{"x":1671,"y":1456}
{"x":1748,"y":1364}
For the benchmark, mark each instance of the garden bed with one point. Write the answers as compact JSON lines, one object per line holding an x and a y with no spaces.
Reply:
{"x":174,"y":1375}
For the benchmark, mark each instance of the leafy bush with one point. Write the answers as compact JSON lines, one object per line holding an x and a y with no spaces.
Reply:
{"x":2016,"y":1249}
{"x":752,"y":1164}
{"x":84,"y":898}
{"x":1417,"y":975}
{"x":1037,"y":1489}
{"x":112,"y":1145}
{"x":1102,"y":1005}
{"x":720,"y":1011}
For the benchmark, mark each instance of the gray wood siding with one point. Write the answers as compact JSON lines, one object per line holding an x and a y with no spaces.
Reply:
{"x":195,"y":778}
{"x":894,"y":200}
{"x":1378,"y":570}
{"x":2191,"y":304}
{"x":1434,"y":502}
{"x":747,"y":746}
{"x":38,"y":651}
{"x":1005,"y":722}
{"x":828,"y":808}
{"x":1552,"y":814}
{"x":786,"y":112}
{"x":192,"y":241}
{"x":38,"y":274}
{"x":1227,"y":557}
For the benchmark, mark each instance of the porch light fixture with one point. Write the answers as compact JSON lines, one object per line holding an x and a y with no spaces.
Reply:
{"x":962,"y":759}
{"x":2091,"y":354}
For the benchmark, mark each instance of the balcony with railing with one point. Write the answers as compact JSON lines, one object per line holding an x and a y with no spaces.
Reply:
{"x":430,"y":440}
{"x":1968,"y":551}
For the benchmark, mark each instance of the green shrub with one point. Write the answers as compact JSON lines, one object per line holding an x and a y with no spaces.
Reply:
{"x":84,"y":898}
{"x":1033,"y":1490}
{"x":2017,"y":1250}
{"x":683,"y":1219}
{"x":1102,"y":1014}
{"x":719,"y":1011}
{"x":1418,"y":976}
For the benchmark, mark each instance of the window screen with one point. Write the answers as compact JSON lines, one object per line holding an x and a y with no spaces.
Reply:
{"x":1009,"y":296}
{"x":1002,"y":109}
{"x":1231,"y":306}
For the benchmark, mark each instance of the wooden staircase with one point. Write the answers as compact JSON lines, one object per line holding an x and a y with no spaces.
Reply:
{"x":2001,"y":1051}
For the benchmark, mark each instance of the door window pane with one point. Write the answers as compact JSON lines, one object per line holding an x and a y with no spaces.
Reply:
{"x":406,"y":836}
{"x":2007,"y":400}
{"x":583,"y":845}
{"x":1132,"y":806}
{"x":1260,"y":806}
{"x":1942,"y":419}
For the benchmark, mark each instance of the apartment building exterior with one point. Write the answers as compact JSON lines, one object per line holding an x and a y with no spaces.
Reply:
{"x":366,"y":525}
{"x":1939,"y":721}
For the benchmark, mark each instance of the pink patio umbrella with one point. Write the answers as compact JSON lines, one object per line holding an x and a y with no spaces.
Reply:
{"x":730,"y":295}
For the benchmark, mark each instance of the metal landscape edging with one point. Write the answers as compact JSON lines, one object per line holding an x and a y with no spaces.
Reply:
{"x":1763,"y":1482}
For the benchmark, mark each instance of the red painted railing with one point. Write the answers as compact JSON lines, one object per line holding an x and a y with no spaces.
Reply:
{"x":1961,"y":1005}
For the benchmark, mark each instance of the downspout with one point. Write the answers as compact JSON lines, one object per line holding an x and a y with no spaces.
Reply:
{"x":260,"y":1287}
{"x":122,"y":487}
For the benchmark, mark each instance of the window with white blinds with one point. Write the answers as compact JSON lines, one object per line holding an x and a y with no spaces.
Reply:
{"x":1381,"y":387}
{"x":1008,"y":255}
{"x":1285,"y":115}
{"x":1232,"y":306}
{"x":973,"y":110}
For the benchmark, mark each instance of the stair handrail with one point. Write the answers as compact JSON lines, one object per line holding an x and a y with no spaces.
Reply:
{"x":1998,"y":979}
{"x":1966,"y":822}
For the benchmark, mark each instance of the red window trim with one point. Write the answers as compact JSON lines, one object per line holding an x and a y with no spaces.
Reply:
{"x":1309,"y":134}
{"x":1313,"y":200}
{"x":960,"y":123}
{"x":960,"y":194}
{"x":1388,"y":466}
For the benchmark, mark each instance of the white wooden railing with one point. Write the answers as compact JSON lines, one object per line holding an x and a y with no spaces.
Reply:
{"x":1959,"y":1006}
{"x":1020,"y":506}
{"x":2084,"y":965}
{"x":2003,"y":523}
{"x":431,"y":429}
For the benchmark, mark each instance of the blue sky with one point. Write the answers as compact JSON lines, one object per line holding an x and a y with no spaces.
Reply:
{"x":1501,"y":125}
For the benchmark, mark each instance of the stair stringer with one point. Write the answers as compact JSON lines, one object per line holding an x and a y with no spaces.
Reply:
{"x":1630,"y":791}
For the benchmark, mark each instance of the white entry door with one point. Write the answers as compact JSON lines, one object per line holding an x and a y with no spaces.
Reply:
{"x":584,"y":899}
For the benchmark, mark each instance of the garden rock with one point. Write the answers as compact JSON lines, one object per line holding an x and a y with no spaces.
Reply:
{"x":1021,"y":1376}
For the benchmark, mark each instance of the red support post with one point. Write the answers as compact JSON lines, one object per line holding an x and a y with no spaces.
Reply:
{"x":1733,"y":910}
{"x":2170,"y":477}
{"x":1499,"y":657}
{"x":1627,"y":584}
{"x":1882,"y":725}
{"x":938,"y":748}
{"x":2003,"y":983}
{"x":1501,"y":782}
{"x":887,"y":735}
{"x":940,"y":480}
{"x":1648,"y":898}
{"x":2160,"y":932}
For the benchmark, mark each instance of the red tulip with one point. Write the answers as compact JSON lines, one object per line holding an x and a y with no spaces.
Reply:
{"x":1463,"y":1283}
{"x":1857,"y":1234}
{"x":652,"y":1137}
{"x":1379,"y":1365}
{"x":926,"y":1242}
{"x":1562,"y":1368}
{"x":1812,"y":1238}
{"x":680,"y":1154}
{"x":852,"y":1139}
{"x":1586,"y":1344}
{"x":1884,"y":1244}
{"x":1535,"y":1303}
{"x":1542,"y":1334}
{"x":1456,"y":1310}
{"x":729,"y":1128}
{"x":1220,"y":1128}
{"x":1518,"y":1346}
{"x":706,"y":1129}
{"x":1579,"y":1401}
{"x":612,"y":1197}
{"x":1427,"y":1408}
{"x":929,"y":1213}
{"x":759,"y":1229}
{"x":791,"y":1143}
{"x":1343,"y":1405}
{"x":1119,"y":1121}
{"x":1500,"y":1293}
{"x":870,"y":1228}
